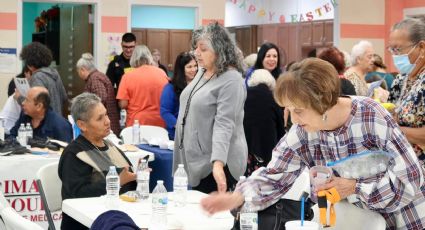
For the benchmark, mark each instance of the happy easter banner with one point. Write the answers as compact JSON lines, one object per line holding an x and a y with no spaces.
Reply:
{"x":253,"y":12}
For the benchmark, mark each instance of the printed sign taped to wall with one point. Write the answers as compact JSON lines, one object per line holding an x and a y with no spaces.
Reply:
{"x":8,"y":60}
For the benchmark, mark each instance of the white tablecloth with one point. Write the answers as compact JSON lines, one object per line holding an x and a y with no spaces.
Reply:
{"x":18,"y":182}
{"x":191,"y":216}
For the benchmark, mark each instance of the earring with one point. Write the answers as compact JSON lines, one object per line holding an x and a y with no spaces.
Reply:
{"x":324,"y":117}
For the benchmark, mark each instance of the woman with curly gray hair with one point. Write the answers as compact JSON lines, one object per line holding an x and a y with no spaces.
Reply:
{"x":210,"y":139}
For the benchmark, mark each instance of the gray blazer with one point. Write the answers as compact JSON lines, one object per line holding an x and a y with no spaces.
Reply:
{"x":214,"y":126}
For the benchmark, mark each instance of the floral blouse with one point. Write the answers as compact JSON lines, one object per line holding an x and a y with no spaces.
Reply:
{"x":359,"y":85}
{"x":409,"y":97}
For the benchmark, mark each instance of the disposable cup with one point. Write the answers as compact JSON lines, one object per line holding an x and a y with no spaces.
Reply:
{"x":296,"y":225}
{"x":319,"y":175}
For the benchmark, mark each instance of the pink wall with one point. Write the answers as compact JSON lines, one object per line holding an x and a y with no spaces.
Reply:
{"x":393,"y":13}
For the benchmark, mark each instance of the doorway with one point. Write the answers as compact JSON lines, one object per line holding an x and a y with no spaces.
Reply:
{"x":67,"y":29}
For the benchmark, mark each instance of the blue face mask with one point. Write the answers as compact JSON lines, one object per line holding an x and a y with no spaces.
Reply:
{"x":402,"y":63}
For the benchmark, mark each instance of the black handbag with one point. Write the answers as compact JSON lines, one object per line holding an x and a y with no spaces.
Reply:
{"x":275,"y":216}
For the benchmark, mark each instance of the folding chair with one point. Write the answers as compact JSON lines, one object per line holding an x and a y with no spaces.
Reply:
{"x":50,"y":185}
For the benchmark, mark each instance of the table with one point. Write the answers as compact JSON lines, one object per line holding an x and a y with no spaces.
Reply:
{"x":191,"y":216}
{"x":162,"y":167}
{"x":18,"y":183}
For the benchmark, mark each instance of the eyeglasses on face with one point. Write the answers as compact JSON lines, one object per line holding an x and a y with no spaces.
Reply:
{"x":399,"y":50}
{"x":128,"y":47}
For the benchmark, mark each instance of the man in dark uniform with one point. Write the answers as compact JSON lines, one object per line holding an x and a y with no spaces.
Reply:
{"x":120,"y":63}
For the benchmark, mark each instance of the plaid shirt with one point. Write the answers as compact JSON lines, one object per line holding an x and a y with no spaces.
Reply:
{"x":100,"y":85}
{"x":398,"y":194}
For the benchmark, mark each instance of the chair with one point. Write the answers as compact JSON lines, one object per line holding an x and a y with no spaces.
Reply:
{"x":13,"y":221}
{"x":147,"y":132}
{"x":50,"y":185}
{"x":349,"y":216}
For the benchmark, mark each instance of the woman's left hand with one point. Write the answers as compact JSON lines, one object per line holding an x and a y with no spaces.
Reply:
{"x":219,"y":176}
{"x":345,"y":187}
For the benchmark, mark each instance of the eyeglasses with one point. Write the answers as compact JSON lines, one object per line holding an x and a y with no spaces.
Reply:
{"x":398,"y":50}
{"x":128,"y":47}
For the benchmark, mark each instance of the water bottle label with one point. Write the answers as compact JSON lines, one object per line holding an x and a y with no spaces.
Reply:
{"x":249,"y":221}
{"x":160,"y":201}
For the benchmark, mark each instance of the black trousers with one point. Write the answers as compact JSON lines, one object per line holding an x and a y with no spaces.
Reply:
{"x":208,"y":184}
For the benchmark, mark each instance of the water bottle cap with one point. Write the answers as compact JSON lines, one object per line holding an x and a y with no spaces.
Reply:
{"x":248,"y":199}
{"x":112,"y":167}
{"x":160,"y":182}
{"x":143,"y":161}
{"x":242,"y":178}
{"x":181,"y":165}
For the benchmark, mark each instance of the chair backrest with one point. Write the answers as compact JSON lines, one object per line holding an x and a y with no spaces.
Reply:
{"x":50,"y":186}
{"x":3,"y":201}
{"x":147,"y":132}
{"x":127,"y":135}
{"x":13,"y":221}
{"x":349,"y":216}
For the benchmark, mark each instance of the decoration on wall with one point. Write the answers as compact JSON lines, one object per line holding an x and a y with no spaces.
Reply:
{"x":252,"y":7}
{"x":46,"y":18}
{"x":114,"y":48}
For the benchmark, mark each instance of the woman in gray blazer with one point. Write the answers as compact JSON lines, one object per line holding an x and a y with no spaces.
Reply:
{"x":210,"y":139}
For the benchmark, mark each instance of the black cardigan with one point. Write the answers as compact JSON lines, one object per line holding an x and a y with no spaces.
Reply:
{"x":263,"y":121}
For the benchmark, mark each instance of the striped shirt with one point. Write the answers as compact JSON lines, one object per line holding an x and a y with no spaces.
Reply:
{"x":398,"y":194}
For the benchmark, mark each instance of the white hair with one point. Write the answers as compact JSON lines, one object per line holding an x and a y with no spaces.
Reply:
{"x":87,"y":62}
{"x":359,"y":50}
{"x":262,"y":76}
{"x":250,"y":60}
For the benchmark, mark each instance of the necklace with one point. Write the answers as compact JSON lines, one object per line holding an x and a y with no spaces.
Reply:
{"x":189,"y":100}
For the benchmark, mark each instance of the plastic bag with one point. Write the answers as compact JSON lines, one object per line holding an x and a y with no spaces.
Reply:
{"x":362,"y":165}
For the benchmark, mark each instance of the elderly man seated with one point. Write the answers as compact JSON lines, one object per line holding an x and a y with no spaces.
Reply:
{"x":45,"y":122}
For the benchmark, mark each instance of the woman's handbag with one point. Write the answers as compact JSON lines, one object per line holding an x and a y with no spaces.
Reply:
{"x":275,"y":216}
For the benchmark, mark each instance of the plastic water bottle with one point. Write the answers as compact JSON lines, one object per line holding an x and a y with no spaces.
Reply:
{"x":248,"y":217}
{"x":159,"y":206}
{"x":180,"y":186}
{"x":136,"y":132}
{"x":143,"y":180}
{"x":22,"y":137}
{"x":112,"y":188}
{"x":29,"y":132}
{"x":123,"y":117}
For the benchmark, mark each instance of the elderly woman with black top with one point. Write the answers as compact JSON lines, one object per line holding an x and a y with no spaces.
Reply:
{"x":85,"y":161}
{"x":210,"y":140}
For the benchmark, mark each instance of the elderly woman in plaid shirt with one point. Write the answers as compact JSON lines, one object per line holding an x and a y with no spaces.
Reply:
{"x":328,"y":128}
{"x":99,"y":84}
